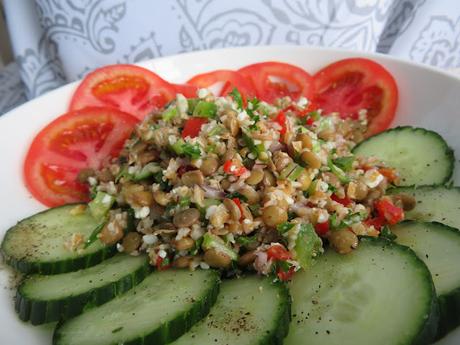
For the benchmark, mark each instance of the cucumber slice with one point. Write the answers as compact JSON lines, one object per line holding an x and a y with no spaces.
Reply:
{"x":438,"y":245}
{"x":37,"y":244}
{"x":248,"y":311}
{"x":421,"y":157}
{"x":157,"y":311}
{"x":381,"y":293}
{"x":42,"y":299}
{"x":434,"y":204}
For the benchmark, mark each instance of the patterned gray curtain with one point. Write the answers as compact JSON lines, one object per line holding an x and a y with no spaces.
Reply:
{"x":57,"y":41}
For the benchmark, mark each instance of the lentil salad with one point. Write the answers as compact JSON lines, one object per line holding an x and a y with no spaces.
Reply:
{"x":229,"y":183}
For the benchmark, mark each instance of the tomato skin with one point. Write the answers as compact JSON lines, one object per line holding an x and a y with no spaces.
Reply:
{"x":344,"y":201}
{"x":192,"y":127}
{"x":388,"y":211}
{"x":376,"y":222}
{"x":285,"y":276}
{"x":129,"y":88}
{"x":349,"y":85}
{"x":322,"y":228}
{"x":281,"y":120}
{"x":229,"y":80}
{"x":269,"y":91}
{"x":74,"y":141}
{"x":234,"y":168}
{"x":277,"y":252}
{"x":189,"y":91}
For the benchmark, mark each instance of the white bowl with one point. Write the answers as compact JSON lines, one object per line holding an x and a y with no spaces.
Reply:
{"x":429,"y":98}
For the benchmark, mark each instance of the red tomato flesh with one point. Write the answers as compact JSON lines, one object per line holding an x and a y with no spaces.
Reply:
{"x":74,"y":141}
{"x":223,"y":81}
{"x":388,"y":211}
{"x":189,"y":91}
{"x":273,"y":80}
{"x":131,"y":89}
{"x":277,"y":252}
{"x":192,"y":127}
{"x":349,"y":85}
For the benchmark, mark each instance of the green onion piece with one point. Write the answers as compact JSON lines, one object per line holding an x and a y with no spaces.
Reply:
{"x":337,"y":171}
{"x":100,"y":205}
{"x":344,"y":163}
{"x":169,"y":114}
{"x":288,"y":170}
{"x":294,"y":175}
{"x":215,"y":131}
{"x":93,"y":237}
{"x":147,"y":170}
{"x":205,"y":109}
{"x":211,"y":241}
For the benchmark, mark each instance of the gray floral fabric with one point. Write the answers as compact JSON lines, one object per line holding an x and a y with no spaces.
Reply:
{"x":57,"y":41}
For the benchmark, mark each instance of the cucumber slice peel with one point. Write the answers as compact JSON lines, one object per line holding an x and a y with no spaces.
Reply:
{"x":37,"y":244}
{"x":248,"y":310}
{"x":438,"y":245}
{"x":157,"y":311}
{"x":43,"y":299}
{"x":381,"y":293}
{"x":421,"y":156}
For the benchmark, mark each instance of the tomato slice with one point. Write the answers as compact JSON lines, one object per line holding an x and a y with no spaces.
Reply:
{"x":274,"y":80}
{"x":76,"y":140}
{"x":222,"y":82}
{"x":189,"y":91}
{"x":132,"y":89}
{"x":349,"y":85}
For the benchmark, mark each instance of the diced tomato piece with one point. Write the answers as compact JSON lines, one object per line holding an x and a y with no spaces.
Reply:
{"x":129,"y":88}
{"x":233,"y":167}
{"x":387,"y":210}
{"x":344,"y":201}
{"x":162,"y":264}
{"x":281,"y":120}
{"x":192,"y":127}
{"x":376,"y":222}
{"x":278,"y":252}
{"x":349,"y":85}
{"x":286,"y":275}
{"x":322,"y":228}
{"x":238,"y":203}
{"x":389,"y":173}
{"x":77,"y":140}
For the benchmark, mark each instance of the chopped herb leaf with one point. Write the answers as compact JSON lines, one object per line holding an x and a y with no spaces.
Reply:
{"x":246,"y":240}
{"x":236,"y":195}
{"x":284,"y":227}
{"x":386,"y":233}
{"x":237,"y":97}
